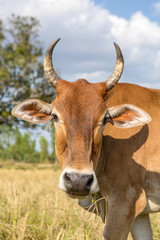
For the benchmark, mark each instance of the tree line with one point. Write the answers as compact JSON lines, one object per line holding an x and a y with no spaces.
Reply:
{"x":21,"y":147}
{"x":21,"y":68}
{"x":21,"y":78}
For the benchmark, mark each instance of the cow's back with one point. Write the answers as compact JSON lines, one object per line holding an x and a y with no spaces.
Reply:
{"x":148,"y":100}
{"x":135,"y":152}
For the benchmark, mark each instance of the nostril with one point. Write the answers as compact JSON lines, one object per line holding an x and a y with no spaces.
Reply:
{"x":78,"y":183}
{"x":90,"y":181}
{"x":67,"y":177}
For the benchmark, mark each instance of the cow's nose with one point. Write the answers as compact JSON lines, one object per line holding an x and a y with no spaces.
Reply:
{"x":77,"y":183}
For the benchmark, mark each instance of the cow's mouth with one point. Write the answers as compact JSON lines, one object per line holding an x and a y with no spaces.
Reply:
{"x":77,"y":195}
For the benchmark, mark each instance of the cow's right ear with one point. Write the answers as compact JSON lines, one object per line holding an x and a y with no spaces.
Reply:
{"x":33,"y":110}
{"x":128,"y":116}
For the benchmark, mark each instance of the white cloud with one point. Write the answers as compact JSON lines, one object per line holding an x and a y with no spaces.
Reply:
{"x":139,"y":30}
{"x":96,"y":76}
{"x":157,"y":7}
{"x":87,"y":33}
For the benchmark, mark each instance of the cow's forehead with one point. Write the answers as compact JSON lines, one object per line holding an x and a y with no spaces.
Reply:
{"x":79,"y":97}
{"x":80,"y":103}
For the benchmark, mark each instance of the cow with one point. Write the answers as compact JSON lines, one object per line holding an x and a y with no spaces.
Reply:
{"x":107,"y":138}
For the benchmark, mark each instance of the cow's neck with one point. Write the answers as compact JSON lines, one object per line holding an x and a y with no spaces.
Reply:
{"x":102,"y":166}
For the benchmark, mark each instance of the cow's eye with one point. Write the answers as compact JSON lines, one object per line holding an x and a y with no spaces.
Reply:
{"x":105,"y":119}
{"x":55,"y":117}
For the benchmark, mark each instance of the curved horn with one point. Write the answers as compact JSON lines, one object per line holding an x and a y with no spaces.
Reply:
{"x":50,"y":73}
{"x":117,"y":72}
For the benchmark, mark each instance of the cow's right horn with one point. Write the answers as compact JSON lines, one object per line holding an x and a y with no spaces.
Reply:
{"x":50,"y":73}
{"x":117,"y":72}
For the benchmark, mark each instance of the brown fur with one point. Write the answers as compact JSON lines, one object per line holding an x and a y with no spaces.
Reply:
{"x":126,"y":154}
{"x":126,"y":161}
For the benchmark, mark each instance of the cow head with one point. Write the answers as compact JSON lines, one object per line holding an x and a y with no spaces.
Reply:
{"x":80,"y":114}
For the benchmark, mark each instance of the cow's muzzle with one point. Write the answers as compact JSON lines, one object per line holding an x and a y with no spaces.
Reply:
{"x":78,"y":184}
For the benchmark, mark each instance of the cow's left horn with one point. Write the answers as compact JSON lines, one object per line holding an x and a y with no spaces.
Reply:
{"x":116,"y":74}
{"x":50,"y":73}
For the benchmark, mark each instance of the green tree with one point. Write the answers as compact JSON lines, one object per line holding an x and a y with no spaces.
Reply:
{"x":17,"y":146}
{"x":24,"y":147}
{"x":21,"y":69}
{"x":44,"y":149}
{"x":6,"y":140}
{"x":53,"y":157}
{"x":1,"y":33}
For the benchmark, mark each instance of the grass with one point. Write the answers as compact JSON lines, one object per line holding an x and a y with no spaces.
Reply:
{"x":32,"y":207}
{"x":27,"y":166}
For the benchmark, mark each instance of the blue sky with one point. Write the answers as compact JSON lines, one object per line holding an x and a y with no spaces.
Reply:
{"x":125,"y":8}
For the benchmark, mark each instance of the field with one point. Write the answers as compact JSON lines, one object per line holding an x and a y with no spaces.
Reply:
{"x":32,"y":207}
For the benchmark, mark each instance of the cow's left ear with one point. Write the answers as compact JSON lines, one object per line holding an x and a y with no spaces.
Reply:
{"x":33,"y":110}
{"x":127,"y":116}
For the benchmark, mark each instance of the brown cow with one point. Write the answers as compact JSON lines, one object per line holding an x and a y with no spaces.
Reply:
{"x":99,"y":150}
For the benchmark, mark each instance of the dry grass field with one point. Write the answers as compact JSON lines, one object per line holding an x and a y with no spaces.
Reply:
{"x":32,"y":207}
